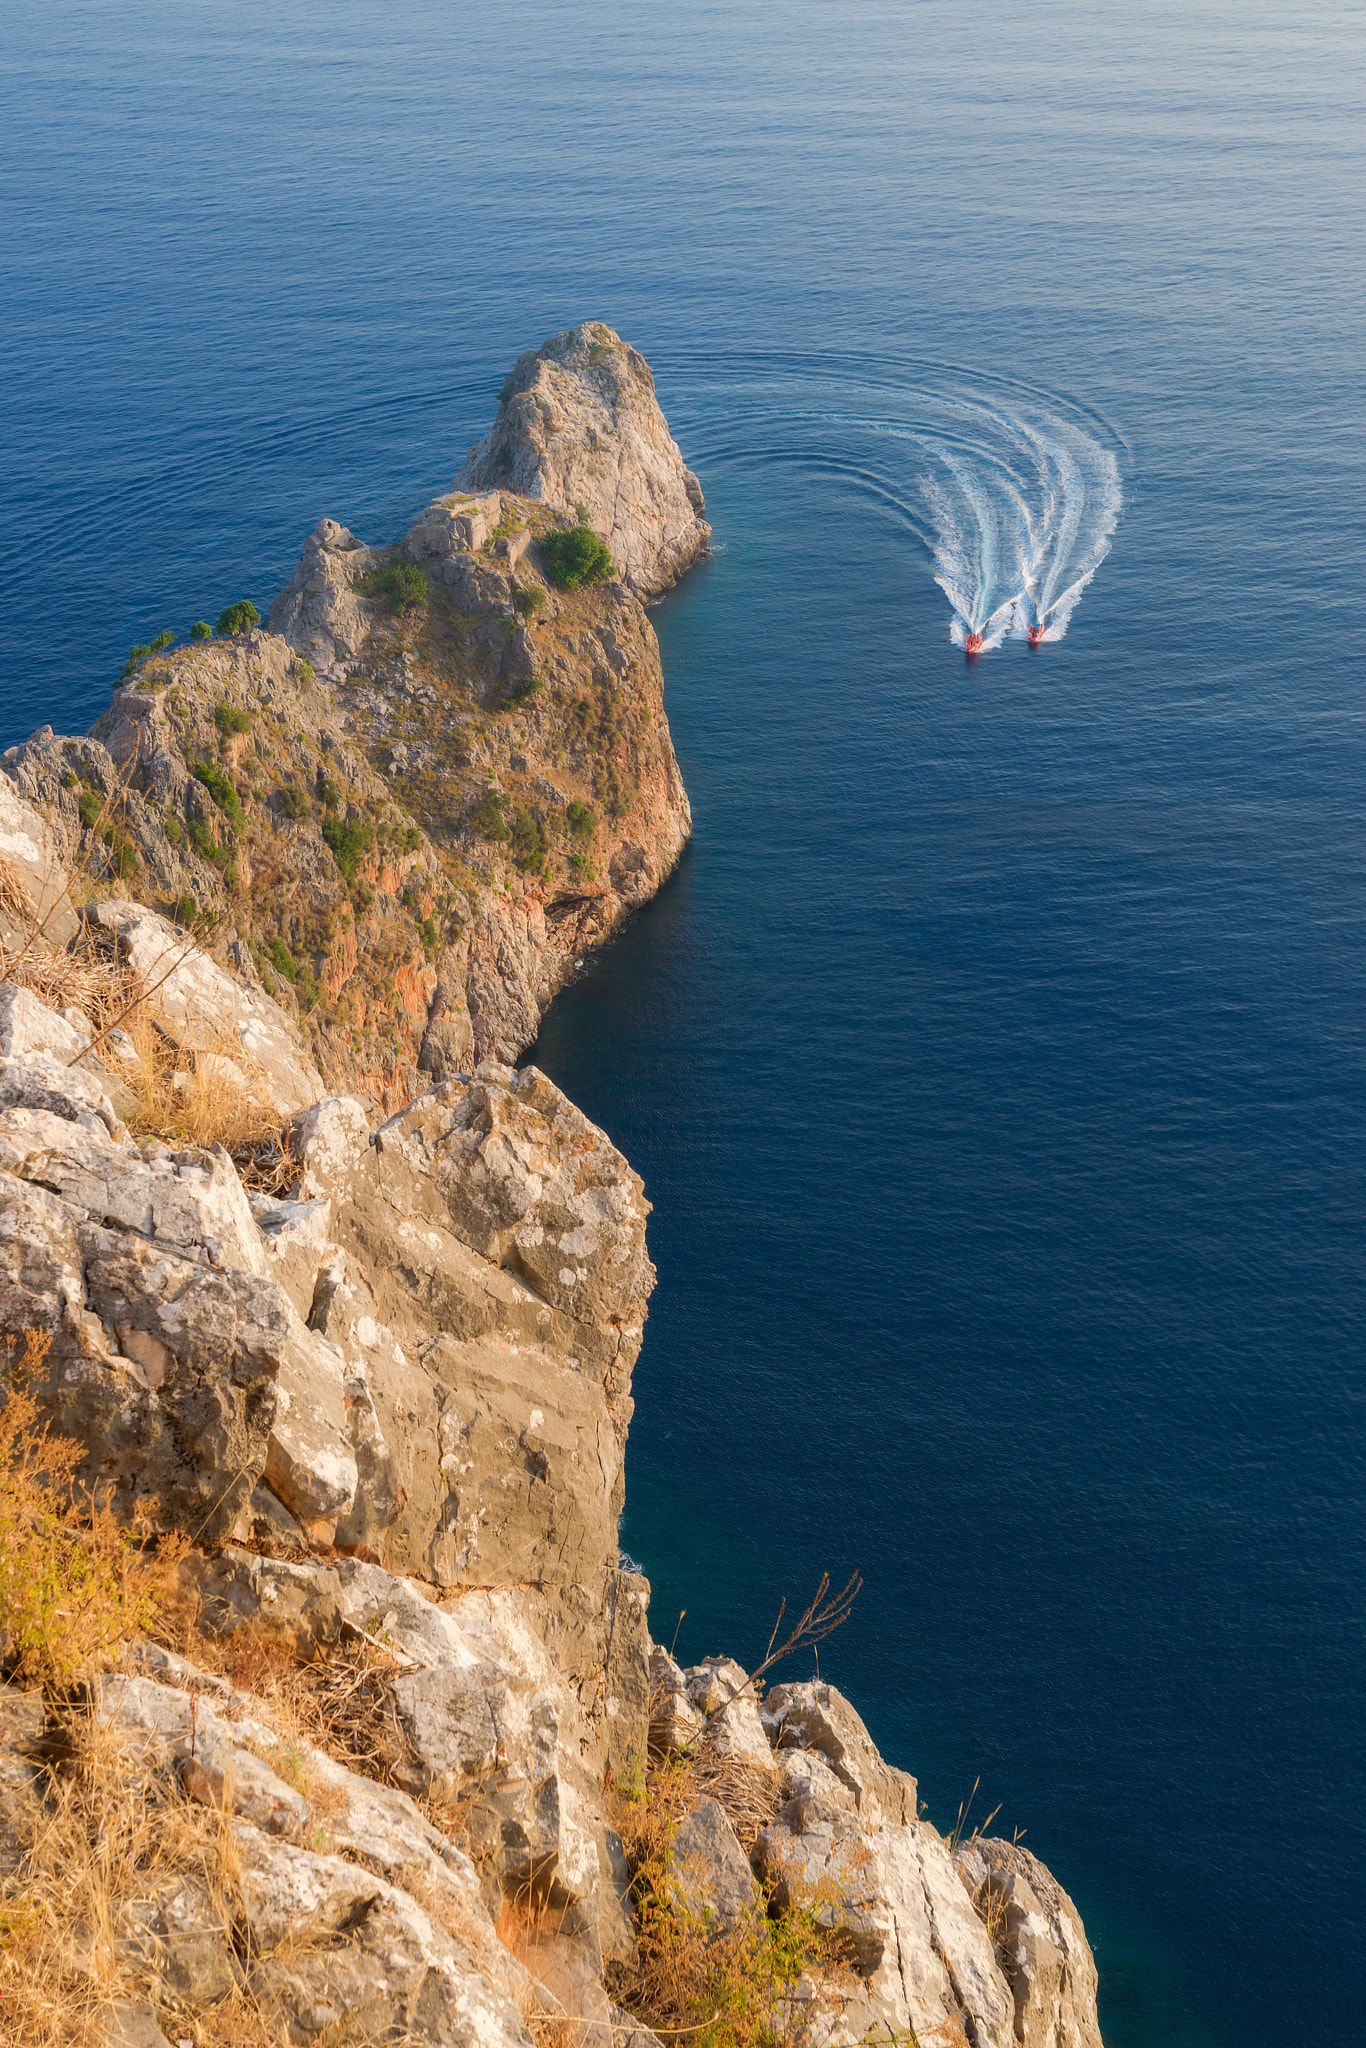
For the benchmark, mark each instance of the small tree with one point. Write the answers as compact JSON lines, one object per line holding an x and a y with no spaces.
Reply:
{"x":237,"y":618}
{"x":201,"y":630}
{"x":576,"y":557}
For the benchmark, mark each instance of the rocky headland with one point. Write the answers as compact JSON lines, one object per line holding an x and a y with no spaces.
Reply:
{"x":331,"y":1716}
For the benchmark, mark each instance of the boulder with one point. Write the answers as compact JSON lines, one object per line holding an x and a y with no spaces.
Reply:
{"x":1039,"y":1932}
{"x":206,"y":1009}
{"x":719,"y":1690}
{"x":41,"y":1081}
{"x":329,"y":1140}
{"x":675,"y":1722}
{"x":28,"y":1026}
{"x":708,"y":1870}
{"x":816,"y":1716}
{"x":579,"y":425}
{"x":396,"y":1973}
{"x":36,"y":912}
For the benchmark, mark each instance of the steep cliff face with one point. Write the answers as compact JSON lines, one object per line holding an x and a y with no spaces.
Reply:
{"x":368,"y":1355}
{"x":578,"y":425}
{"x":409,"y":809}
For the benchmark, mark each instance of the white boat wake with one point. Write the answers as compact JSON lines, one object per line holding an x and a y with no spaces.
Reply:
{"x":1023,"y":511}
{"x":1014,"y":501}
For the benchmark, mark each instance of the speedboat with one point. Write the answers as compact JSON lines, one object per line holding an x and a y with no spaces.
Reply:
{"x":1036,"y":634}
{"x":973,"y":643}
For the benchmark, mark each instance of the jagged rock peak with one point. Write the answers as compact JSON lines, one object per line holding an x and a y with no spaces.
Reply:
{"x":579,"y":425}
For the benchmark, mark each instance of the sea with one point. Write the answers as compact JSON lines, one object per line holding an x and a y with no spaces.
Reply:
{"x":996,"y":1059}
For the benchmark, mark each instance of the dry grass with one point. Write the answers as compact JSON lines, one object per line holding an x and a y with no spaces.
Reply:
{"x":74,"y":1584}
{"x":339,"y":1702}
{"x":216,"y":1095}
{"x":14,"y":896}
{"x":83,"y":977}
{"x":724,"y":1988}
{"x":105,"y":1836}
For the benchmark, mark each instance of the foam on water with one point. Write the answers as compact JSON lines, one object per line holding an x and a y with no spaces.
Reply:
{"x":1023,"y":512}
{"x":1013,"y":502}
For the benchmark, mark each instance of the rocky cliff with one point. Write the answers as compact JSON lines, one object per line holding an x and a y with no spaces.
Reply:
{"x":407,"y":810}
{"x":380,"y":1748}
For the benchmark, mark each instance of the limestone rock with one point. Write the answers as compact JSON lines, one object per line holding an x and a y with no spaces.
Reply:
{"x":816,"y":1716}
{"x":28,"y":1026}
{"x":674,"y":1721}
{"x":129,"y":2025}
{"x":207,"y":1009}
{"x":329,"y":1140}
{"x":488,"y":1304}
{"x":708,"y":1869}
{"x":40,"y":1081}
{"x":318,"y":610}
{"x":35,"y":903}
{"x":579,"y":424}
{"x":717,"y":1689}
{"x":1047,"y":1957}
{"x":310,"y":1464}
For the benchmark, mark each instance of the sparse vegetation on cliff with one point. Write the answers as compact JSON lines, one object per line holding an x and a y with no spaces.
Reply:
{"x":576,"y":558}
{"x":237,"y":618}
{"x":403,"y":583}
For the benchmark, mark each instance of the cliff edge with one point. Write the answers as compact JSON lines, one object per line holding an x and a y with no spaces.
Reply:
{"x":329,"y":1713}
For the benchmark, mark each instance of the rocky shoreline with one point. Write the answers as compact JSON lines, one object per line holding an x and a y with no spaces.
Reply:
{"x":340,"y":1312}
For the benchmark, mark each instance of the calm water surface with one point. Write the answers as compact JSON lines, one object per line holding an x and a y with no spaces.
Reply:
{"x":996,"y":1060}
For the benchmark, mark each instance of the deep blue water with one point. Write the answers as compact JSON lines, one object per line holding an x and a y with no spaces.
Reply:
{"x":996,"y":1060}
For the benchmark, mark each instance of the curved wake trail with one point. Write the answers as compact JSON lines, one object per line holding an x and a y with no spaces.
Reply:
{"x":1016,"y":503}
{"x":1023,"y":512}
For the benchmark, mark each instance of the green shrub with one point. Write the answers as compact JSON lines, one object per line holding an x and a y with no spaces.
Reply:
{"x":282,"y":960}
{"x":431,"y":937}
{"x":185,"y":910}
{"x":221,"y":790}
{"x":529,"y":600}
{"x":403,"y":583}
{"x":489,"y":817}
{"x":581,"y":819}
{"x":505,"y":394}
{"x":201,"y":630}
{"x":519,"y":693}
{"x":291,"y":800}
{"x":69,"y":781}
{"x":123,"y":855}
{"x":581,"y":867}
{"x":576,"y":558}
{"x":326,"y":790}
{"x":230,"y":718}
{"x":237,"y":618}
{"x":175,"y":832}
{"x":303,"y":669}
{"x":529,"y":846}
{"x":410,"y":839}
{"x":157,"y":646}
{"x":91,"y":809}
{"x":350,"y":841}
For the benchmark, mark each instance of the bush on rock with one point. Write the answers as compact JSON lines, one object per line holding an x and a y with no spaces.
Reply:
{"x":576,"y":558}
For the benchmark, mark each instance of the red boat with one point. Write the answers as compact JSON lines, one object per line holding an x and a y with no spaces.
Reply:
{"x":973,"y":643}
{"x":1036,"y":634}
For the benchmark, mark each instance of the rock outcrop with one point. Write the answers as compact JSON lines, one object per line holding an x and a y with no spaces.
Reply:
{"x":407,"y":811}
{"x":364,"y":1353}
{"x":579,"y":427}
